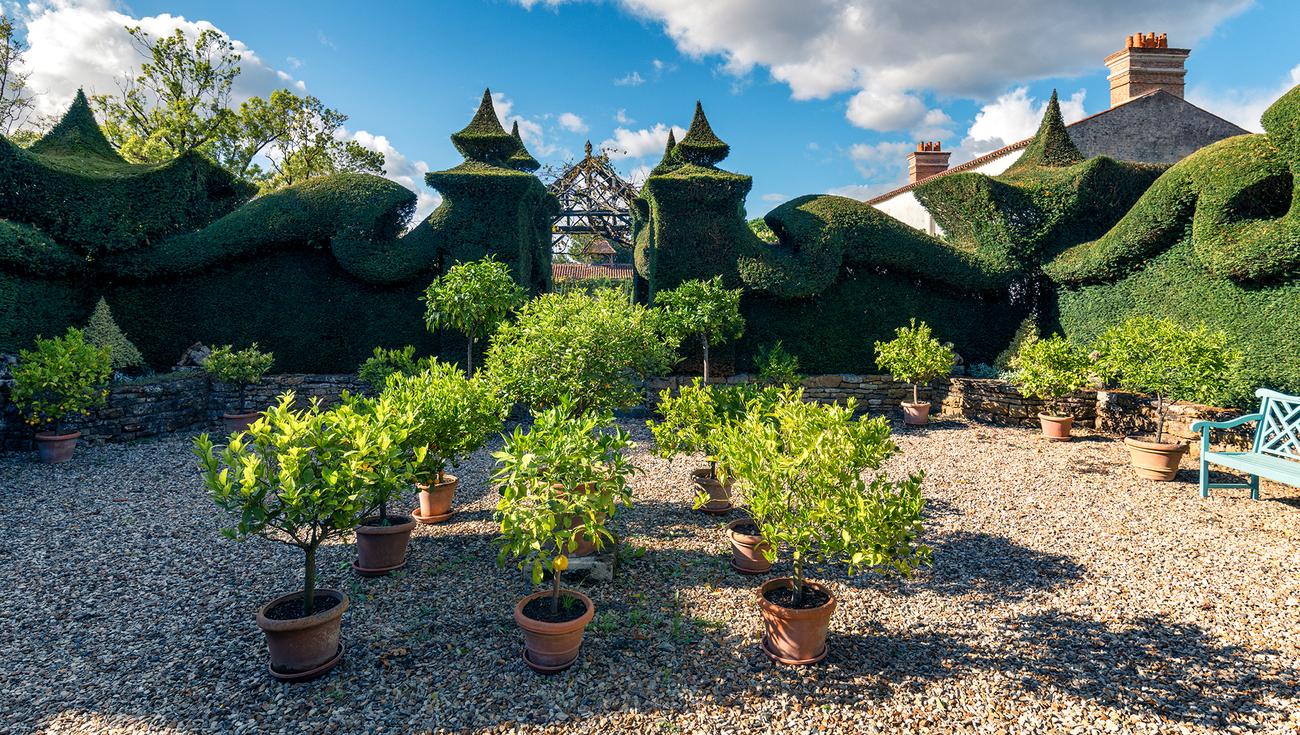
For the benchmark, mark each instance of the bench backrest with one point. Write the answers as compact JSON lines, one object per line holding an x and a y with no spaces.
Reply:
{"x":1279,"y":429}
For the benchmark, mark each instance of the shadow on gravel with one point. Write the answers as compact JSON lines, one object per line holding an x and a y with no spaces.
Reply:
{"x":994,"y":568}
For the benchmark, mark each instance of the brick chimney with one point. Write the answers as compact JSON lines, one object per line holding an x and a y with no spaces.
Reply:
{"x":927,"y":160}
{"x":1145,"y":63}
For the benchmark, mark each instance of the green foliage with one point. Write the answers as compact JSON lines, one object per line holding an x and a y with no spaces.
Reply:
{"x":238,"y":367}
{"x":595,"y":349}
{"x":302,"y":476}
{"x":16,"y":99}
{"x":384,"y":362}
{"x":915,"y":356}
{"x":700,"y":146}
{"x":473,"y":298}
{"x":776,"y":366}
{"x":484,"y":139}
{"x":382,"y":433}
{"x":1050,"y":369}
{"x":561,"y":481}
{"x":703,"y":309}
{"x":762,"y":231}
{"x":450,"y":415}
{"x":693,"y":419}
{"x":102,"y":331}
{"x":1051,"y":146}
{"x":809,"y":475}
{"x":61,"y":377}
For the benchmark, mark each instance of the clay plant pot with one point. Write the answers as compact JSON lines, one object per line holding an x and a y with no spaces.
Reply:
{"x":552,"y":647}
{"x":703,"y":480}
{"x":54,"y":448}
{"x":304,"y":648}
{"x":232,"y":422}
{"x":435,"y":500}
{"x":916,"y":414}
{"x":1056,"y":428}
{"x":747,"y":550}
{"x":382,"y":549}
{"x":1155,"y":460}
{"x":794,"y":637}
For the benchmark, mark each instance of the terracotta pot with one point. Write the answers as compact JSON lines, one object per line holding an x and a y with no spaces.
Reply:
{"x":747,"y":551}
{"x":435,"y":500}
{"x":233,"y":422}
{"x":304,"y":648}
{"x":55,"y":448}
{"x":916,"y":414}
{"x":1056,"y":428}
{"x":552,"y":647}
{"x":586,"y":545}
{"x":794,"y":637}
{"x":1155,"y":460}
{"x":719,"y":493}
{"x":382,"y":549}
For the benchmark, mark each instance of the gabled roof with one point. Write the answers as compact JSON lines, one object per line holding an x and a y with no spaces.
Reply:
{"x":1209,"y":127}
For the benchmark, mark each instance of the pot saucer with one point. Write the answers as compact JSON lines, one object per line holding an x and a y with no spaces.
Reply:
{"x":430,"y":520}
{"x":547,"y":669}
{"x":376,"y":572}
{"x":715,"y":511}
{"x":746,"y":572}
{"x":792,"y":661}
{"x":310,"y":673}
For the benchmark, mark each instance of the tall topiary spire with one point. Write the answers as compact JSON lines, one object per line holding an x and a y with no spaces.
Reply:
{"x":670,"y":160}
{"x":77,"y":134}
{"x":103,"y":331}
{"x":1051,"y":145}
{"x":700,"y":146}
{"x":521,"y":159}
{"x":484,"y":139}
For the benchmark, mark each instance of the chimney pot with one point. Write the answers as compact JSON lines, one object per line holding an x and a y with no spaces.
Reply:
{"x":1146,"y":63}
{"x":928,"y":160}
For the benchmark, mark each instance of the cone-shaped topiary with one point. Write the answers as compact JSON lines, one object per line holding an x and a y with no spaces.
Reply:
{"x":522,"y":160}
{"x":484,"y":139}
{"x":700,"y":146}
{"x":670,"y":160}
{"x":77,"y":134}
{"x":102,"y":331}
{"x":1051,"y":145}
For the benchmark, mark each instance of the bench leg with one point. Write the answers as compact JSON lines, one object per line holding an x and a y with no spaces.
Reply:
{"x":1254,"y":487}
{"x":1205,"y":477}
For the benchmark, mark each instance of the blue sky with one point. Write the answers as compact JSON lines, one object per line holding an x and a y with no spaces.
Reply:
{"x":813,"y":97}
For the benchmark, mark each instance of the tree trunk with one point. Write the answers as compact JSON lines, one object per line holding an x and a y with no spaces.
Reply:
{"x":916,"y":393}
{"x":705,"y":342}
{"x":1160,"y":417}
{"x":796,"y":576}
{"x":555,"y":591}
{"x":309,"y":582}
{"x":469,"y":358}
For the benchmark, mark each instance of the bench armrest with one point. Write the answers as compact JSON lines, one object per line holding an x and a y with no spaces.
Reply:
{"x":1204,"y":426}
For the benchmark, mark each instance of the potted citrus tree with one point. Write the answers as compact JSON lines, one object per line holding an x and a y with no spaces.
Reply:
{"x":59,"y":378}
{"x":473,"y":298}
{"x":689,"y":420}
{"x":915,"y":356}
{"x":561,"y":482}
{"x":1049,"y":370}
{"x":379,"y":431}
{"x":297,"y":477}
{"x":703,"y":309}
{"x":240,"y":368}
{"x":809,"y":474}
{"x":1175,"y":363}
{"x":451,"y":415}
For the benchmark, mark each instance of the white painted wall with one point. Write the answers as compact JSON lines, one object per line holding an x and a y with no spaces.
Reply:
{"x":906,"y":209}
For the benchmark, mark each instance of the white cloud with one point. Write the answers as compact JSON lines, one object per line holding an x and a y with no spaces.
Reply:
{"x":294,"y":62}
{"x":404,"y":171}
{"x":1012,"y":117}
{"x":639,"y":143}
{"x":862,"y":192}
{"x":572,"y":123}
{"x":638,"y":175}
{"x":901,"y":50}
{"x":774,"y":197}
{"x":880,"y":160}
{"x":621,"y":117}
{"x":1242,"y":106}
{"x":631,"y":79}
{"x":936,"y":125}
{"x":530,"y":128}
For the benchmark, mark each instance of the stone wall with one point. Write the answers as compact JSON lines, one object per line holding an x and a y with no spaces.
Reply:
{"x":186,"y":401}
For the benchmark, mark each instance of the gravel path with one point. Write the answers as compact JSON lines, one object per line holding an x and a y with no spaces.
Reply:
{"x":1066,"y":596}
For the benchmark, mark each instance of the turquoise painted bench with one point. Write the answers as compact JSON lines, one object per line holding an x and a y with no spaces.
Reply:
{"x":1274,"y":453}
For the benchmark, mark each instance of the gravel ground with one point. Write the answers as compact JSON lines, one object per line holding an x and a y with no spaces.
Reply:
{"x":1066,"y":596}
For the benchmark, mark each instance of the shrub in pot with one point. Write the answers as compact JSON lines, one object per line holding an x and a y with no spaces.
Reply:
{"x":473,"y":298}
{"x":59,"y":378}
{"x":561,"y":482}
{"x":386,"y":464}
{"x":810,"y":476}
{"x":1175,"y":363}
{"x":375,"y":370}
{"x":450,"y":416}
{"x":915,"y":356}
{"x":300,"y":478}
{"x":595,"y":349}
{"x":1049,"y":370}
{"x":702,"y":309}
{"x":240,"y":368}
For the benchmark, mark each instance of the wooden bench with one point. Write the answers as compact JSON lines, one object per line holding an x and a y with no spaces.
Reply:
{"x":1274,"y":453}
